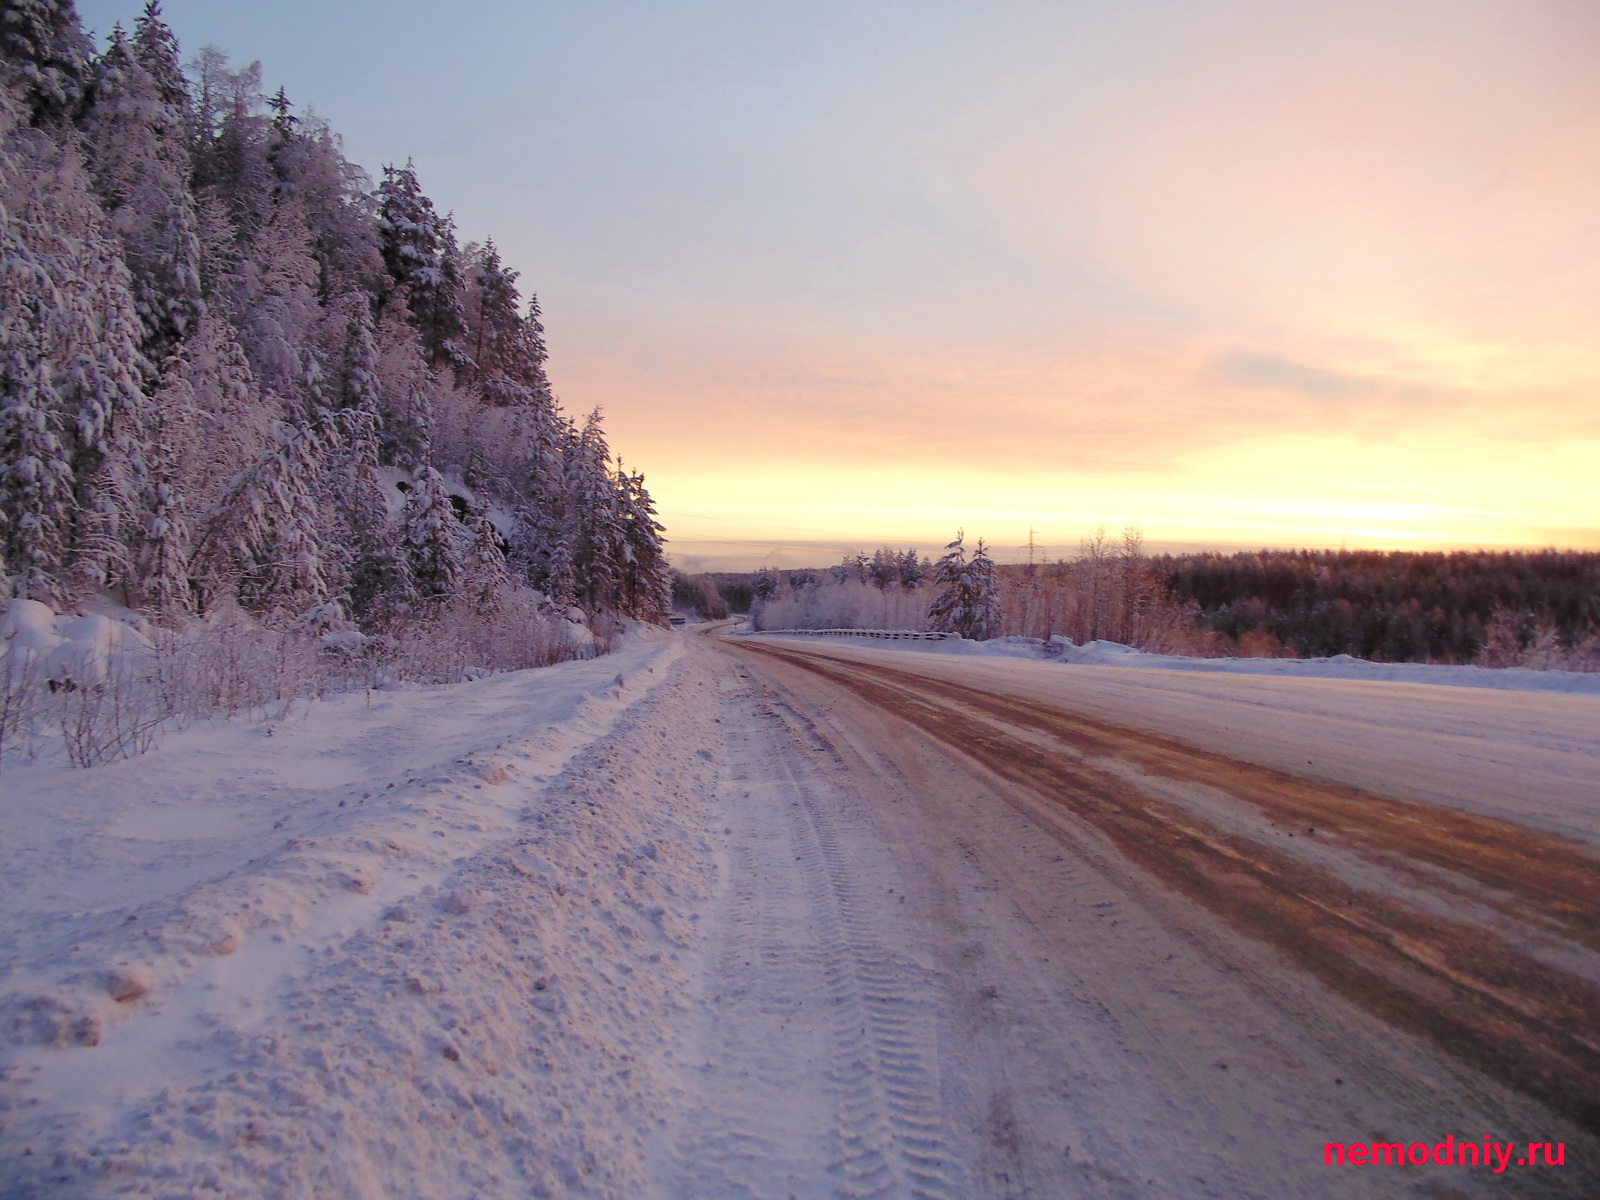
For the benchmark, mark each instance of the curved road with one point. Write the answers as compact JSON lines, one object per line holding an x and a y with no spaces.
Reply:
{"x":981,"y":944}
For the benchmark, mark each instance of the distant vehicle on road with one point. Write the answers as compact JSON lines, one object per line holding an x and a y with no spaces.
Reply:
{"x":677,"y":620}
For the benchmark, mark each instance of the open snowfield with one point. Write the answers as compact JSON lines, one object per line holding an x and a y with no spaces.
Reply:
{"x":767,"y":917}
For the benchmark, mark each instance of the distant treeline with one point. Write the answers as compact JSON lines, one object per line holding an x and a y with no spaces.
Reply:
{"x":1539,"y":609}
{"x":1392,"y":606}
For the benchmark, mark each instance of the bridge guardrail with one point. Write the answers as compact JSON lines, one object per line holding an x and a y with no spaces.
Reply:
{"x":909,"y":635}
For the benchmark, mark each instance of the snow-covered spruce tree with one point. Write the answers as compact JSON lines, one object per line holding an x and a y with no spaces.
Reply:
{"x":156,"y":48}
{"x":419,"y":250}
{"x":485,"y":577}
{"x":380,"y":584}
{"x":948,"y":575}
{"x":406,"y":390}
{"x":983,"y":595}
{"x":506,"y":366}
{"x":332,"y":195}
{"x":594,"y":530}
{"x":233,"y":143}
{"x":521,"y":438}
{"x":69,"y":352}
{"x":137,"y":146}
{"x":263,"y":542}
{"x":45,"y":54}
{"x":646,"y":586}
{"x":435,"y":541}
{"x":968,"y":598}
{"x":913,"y":570}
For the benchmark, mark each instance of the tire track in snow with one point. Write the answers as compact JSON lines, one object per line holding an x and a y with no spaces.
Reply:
{"x":891,"y":1124}
{"x":1479,"y":997}
{"x":822,"y":1075}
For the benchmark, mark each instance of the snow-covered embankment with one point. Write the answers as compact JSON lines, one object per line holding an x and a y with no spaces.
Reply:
{"x":414,"y":943}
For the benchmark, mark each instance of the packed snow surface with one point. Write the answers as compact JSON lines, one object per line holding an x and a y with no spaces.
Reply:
{"x":636,"y":926}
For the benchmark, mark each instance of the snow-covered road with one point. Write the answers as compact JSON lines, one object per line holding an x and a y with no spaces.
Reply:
{"x":1125,"y":966}
{"x":728,"y":917}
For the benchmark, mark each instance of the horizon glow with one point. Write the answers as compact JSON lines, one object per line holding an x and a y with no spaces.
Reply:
{"x":1242,"y":273}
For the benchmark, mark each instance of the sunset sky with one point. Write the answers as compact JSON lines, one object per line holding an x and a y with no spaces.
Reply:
{"x":1244,"y":272}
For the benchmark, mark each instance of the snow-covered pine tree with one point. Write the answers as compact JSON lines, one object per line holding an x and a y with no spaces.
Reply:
{"x":35,"y":474}
{"x":420,"y":253}
{"x":156,"y":48}
{"x":170,"y":426}
{"x":485,"y":577}
{"x":593,"y":526}
{"x":137,"y":145}
{"x":492,"y":313}
{"x":233,"y":143}
{"x":332,"y":195}
{"x":263,"y":541}
{"x":434,"y":539}
{"x":983,"y":595}
{"x":646,"y":585}
{"x":766,"y":583}
{"x":69,"y":350}
{"x":948,"y":609}
{"x":45,"y":54}
{"x":406,"y":390}
{"x":968,"y":599}
{"x":913,"y":570}
{"x":378,"y":578}
{"x":276,"y":309}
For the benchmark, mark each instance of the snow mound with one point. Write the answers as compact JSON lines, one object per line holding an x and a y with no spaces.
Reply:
{"x":81,"y":649}
{"x":397,"y":946}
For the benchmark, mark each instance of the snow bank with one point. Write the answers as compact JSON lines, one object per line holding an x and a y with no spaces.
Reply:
{"x":414,"y":947}
{"x":78,"y":648}
{"x":1340,"y":666}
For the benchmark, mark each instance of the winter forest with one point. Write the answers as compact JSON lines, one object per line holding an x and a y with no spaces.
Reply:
{"x":245,"y":390}
{"x":1493,"y":609}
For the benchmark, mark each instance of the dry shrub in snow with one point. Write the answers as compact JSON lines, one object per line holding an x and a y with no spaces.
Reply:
{"x":119,"y":716}
{"x":459,"y":642}
{"x":109,"y":697}
{"x":21,"y":705}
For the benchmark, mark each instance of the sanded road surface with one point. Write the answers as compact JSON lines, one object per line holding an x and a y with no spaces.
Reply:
{"x":975,"y":944}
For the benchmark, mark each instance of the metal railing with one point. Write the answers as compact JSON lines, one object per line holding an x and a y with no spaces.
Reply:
{"x":901,"y":635}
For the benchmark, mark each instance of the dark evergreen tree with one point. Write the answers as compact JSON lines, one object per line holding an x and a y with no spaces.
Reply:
{"x":72,"y":374}
{"x":45,"y":54}
{"x":157,"y":51}
{"x":646,"y":584}
{"x":138,"y":150}
{"x":419,"y":251}
{"x":593,"y":531}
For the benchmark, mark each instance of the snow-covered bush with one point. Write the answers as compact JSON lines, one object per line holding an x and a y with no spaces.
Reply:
{"x":22,"y":694}
{"x":830,"y":603}
{"x":119,"y":716}
{"x":98,"y":689}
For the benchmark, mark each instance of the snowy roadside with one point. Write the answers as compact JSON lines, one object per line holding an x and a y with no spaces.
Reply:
{"x":1339,"y":666}
{"x":417,"y":945}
